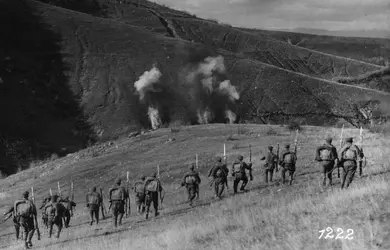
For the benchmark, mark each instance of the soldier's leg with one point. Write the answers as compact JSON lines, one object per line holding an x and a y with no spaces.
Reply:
{"x":343,"y":175}
{"x":59,"y":227}
{"x":350,"y":174}
{"x":283,"y":173}
{"x":67,"y":219}
{"x":188,"y":193}
{"x":221,"y":188}
{"x":197,"y":191}
{"x":155,"y":203}
{"x":114,"y":213}
{"x":91,"y":215}
{"x":324,"y":173}
{"x":192,"y":194}
{"x":30,"y":232}
{"x":329,"y":172}
{"x":50,"y":225}
{"x":97,"y":215}
{"x":216,"y":188}
{"x":271,"y":174}
{"x":235,"y":183}
{"x":244,"y":182}
{"x":147,"y":204}
{"x":266,"y":176}
{"x":291,"y":174}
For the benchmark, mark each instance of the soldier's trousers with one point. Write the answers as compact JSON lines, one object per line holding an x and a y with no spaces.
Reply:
{"x":349,"y":170}
{"x":44,"y":219}
{"x":140,"y":201}
{"x":327,"y":166}
{"x":93,"y":212}
{"x":219,"y":186}
{"x":55,"y":221}
{"x":290,"y":169}
{"x":66,"y":218}
{"x":237,"y":178}
{"x":17,"y":228}
{"x":268,"y":173}
{"x":28,"y":227}
{"x":118,"y":210}
{"x":191,"y":191}
{"x":151,"y":197}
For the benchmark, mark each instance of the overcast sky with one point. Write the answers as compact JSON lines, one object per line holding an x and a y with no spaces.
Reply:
{"x":290,"y":14}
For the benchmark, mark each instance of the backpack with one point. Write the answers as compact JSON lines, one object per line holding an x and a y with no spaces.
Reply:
{"x":152,"y":186}
{"x":325,"y":154}
{"x":117,"y":194}
{"x":350,"y":154}
{"x":191,"y":179}
{"x":24,"y":209}
{"x":93,"y":199}
{"x":289,"y":158}
{"x":237,"y":167}
{"x":219,"y":173}
{"x":139,"y":187}
{"x":51,"y":210}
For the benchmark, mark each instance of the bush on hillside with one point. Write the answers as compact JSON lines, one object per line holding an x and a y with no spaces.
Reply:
{"x":292,"y":126}
{"x":381,"y":129}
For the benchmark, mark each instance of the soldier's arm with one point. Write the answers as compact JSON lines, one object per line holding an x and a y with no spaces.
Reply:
{"x":198,"y":178}
{"x":210,"y":171}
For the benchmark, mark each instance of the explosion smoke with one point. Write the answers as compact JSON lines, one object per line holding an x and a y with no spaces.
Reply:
{"x":204,"y":117}
{"x":154,"y":117}
{"x":228,"y":89}
{"x":231,"y":116}
{"x":146,"y":81}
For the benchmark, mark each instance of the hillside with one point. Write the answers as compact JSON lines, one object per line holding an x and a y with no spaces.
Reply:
{"x":273,"y":216}
{"x":371,"y":50}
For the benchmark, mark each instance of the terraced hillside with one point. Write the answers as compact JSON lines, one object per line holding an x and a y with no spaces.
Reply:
{"x":68,"y":77}
{"x":269,"y":216}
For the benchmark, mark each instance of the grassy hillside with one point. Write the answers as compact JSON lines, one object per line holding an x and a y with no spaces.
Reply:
{"x":371,"y":50}
{"x":71,"y":81}
{"x":273,"y":216}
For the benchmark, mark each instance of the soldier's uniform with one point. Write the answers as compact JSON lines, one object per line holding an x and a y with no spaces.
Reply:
{"x":239,"y":174}
{"x":93,"y":201}
{"x":219,"y":173}
{"x":55,"y":212}
{"x":140,"y":195}
{"x":26,"y":222}
{"x":288,"y":164}
{"x":350,"y":154}
{"x":191,"y":181}
{"x":152,"y":196}
{"x":270,"y":164}
{"x":68,"y":213}
{"x":10,"y":213}
{"x":118,"y":202}
{"x":326,"y":155}
{"x":44,"y":215}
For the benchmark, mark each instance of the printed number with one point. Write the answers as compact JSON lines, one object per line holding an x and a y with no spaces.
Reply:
{"x":322,"y":233}
{"x":350,"y":233}
{"x":340,"y":231}
{"x":329,"y":235}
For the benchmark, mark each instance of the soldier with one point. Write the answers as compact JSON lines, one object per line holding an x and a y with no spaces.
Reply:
{"x":349,"y":155}
{"x":238,"y":172}
{"x":219,"y":173}
{"x":55,"y":212}
{"x":68,"y":213}
{"x":270,"y":164}
{"x":26,"y":215}
{"x":327,"y":155}
{"x":10,"y":213}
{"x":191,"y":181}
{"x":152,"y":188}
{"x":140,"y":195}
{"x":117,"y":198}
{"x":93,"y":201}
{"x":288,"y":162}
{"x":46,"y":200}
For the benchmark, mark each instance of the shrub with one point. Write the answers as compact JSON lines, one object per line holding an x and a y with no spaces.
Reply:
{"x":271,"y":131}
{"x":381,"y":129}
{"x":292,"y":126}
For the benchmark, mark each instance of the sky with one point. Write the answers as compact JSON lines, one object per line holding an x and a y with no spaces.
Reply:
{"x":345,"y":15}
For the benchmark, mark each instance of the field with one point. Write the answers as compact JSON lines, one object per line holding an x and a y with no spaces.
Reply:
{"x":272,"y":216}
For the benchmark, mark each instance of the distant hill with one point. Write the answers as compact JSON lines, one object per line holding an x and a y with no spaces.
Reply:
{"x":376,"y":33}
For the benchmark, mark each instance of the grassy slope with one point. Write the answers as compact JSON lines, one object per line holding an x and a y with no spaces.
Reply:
{"x":276,"y":217}
{"x":371,"y":50}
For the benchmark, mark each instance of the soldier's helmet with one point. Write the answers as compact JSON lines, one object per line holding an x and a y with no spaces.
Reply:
{"x":349,"y":139}
{"x":287,"y":146}
{"x":143,"y":177}
{"x":93,"y":189}
{"x":25,"y":194}
{"x":66,"y":197}
{"x":54,"y":197}
{"x":154,"y":175}
{"x":218,"y":158}
{"x":270,"y":148}
{"x":328,"y":139}
{"x":118,"y":181}
{"x":192,"y":167}
{"x":240,"y":157}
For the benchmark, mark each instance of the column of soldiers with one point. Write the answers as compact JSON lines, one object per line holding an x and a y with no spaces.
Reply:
{"x":148,"y":189}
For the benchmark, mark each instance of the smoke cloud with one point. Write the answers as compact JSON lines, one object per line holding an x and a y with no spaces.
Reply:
{"x":228,"y":89}
{"x":146,"y":81}
{"x":204,"y":116}
{"x":154,"y":117}
{"x":231,"y":116}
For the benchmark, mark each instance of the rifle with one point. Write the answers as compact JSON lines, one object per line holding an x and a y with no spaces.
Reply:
{"x":361,"y":148}
{"x":102,"y":207}
{"x":225,"y":160}
{"x":35,"y":215}
{"x":197,"y":169}
{"x":59,"y":189}
{"x":296,"y":142}
{"x":72,"y":197}
{"x":51,"y":193}
{"x":250,"y":159}
{"x":127,"y":202}
{"x":159,"y":187}
{"x":277,"y":158}
{"x":341,"y":144}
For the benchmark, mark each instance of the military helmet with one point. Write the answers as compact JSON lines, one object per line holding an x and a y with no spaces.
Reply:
{"x":26,"y":193}
{"x":54,"y":197}
{"x":328,"y":139}
{"x":143,"y":177}
{"x":287,"y":146}
{"x":154,"y":175}
{"x":118,"y":181}
{"x":349,"y":139}
{"x":218,"y":158}
{"x":192,"y":166}
{"x":240,"y":157}
{"x":93,"y":189}
{"x":270,"y":148}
